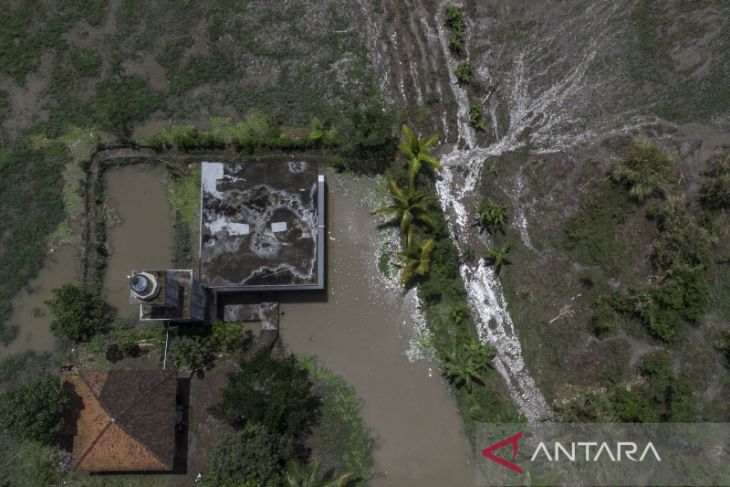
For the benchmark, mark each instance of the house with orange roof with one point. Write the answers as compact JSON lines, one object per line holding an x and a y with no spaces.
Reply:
{"x":121,"y":420}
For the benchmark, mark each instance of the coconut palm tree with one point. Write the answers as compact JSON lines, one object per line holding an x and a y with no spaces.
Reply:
{"x":465,"y":364}
{"x":490,"y":216}
{"x":415,"y":258}
{"x":497,"y":258}
{"x":410,"y":206}
{"x":417,"y":151}
{"x":312,"y":476}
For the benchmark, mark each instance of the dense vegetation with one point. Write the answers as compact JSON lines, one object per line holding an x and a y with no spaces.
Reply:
{"x":32,"y":411}
{"x":79,"y":314}
{"x":659,"y":397}
{"x":430,"y":261}
{"x":272,"y":407}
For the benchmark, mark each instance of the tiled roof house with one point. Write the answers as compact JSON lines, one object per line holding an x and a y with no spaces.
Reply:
{"x":121,"y":420}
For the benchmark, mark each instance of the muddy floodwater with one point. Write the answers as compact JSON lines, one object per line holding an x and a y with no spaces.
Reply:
{"x":139,"y":218}
{"x":362,"y":333}
{"x":30,"y":313}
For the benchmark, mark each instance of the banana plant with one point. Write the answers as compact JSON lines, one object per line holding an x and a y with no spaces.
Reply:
{"x":497,"y":258}
{"x":418,"y":153}
{"x":490,"y":216}
{"x":410,"y":206}
{"x":466,"y":363}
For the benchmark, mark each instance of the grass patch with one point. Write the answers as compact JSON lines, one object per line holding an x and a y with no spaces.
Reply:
{"x":86,"y":62}
{"x":341,"y":440}
{"x":660,"y":396}
{"x":4,"y":105}
{"x":590,"y":233}
{"x":184,"y":194}
{"x":31,"y":208}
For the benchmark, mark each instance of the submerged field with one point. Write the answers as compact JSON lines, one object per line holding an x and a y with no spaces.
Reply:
{"x":603,"y":292}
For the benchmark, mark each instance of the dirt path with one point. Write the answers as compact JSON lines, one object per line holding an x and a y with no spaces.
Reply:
{"x":362,"y":333}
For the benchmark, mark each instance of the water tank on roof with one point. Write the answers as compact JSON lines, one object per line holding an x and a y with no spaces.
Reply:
{"x":144,"y":285}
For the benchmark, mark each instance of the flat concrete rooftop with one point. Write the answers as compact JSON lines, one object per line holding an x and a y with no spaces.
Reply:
{"x":262,"y":226}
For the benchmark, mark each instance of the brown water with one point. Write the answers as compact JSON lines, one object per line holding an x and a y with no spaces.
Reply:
{"x":139,"y":233}
{"x":30,"y":312}
{"x":362,"y":333}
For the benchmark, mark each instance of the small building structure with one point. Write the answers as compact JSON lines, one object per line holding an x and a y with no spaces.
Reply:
{"x":167,"y":295}
{"x":262,"y":230}
{"x":121,"y":420}
{"x":262,"y":226}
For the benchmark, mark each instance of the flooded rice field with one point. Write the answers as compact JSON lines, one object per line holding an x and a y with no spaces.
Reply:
{"x":362,"y":333}
{"x":138,"y":228}
{"x":30,"y":313}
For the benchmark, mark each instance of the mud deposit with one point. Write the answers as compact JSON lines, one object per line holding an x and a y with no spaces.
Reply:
{"x":30,"y":313}
{"x":138,"y":228}
{"x":361,"y":332}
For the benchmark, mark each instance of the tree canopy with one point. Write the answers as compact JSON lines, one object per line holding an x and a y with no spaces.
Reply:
{"x":33,"y":410}
{"x":273,"y":392}
{"x":79,"y":313}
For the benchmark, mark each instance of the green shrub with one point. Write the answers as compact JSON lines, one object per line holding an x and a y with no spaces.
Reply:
{"x":226,"y":336}
{"x":250,"y":456}
{"x":4,"y":105}
{"x":86,"y":62}
{"x":272,"y":392}
{"x":464,"y":72}
{"x":643,"y":170}
{"x":660,"y":397}
{"x":603,"y":321}
{"x":475,"y":117}
{"x":454,"y":20}
{"x":33,"y":410}
{"x":490,"y":216}
{"x":191,"y":352}
{"x":456,"y":42}
{"x":78,"y":313}
{"x":28,"y":463}
{"x":454,"y":17}
{"x":681,"y":241}
{"x":341,"y":432}
{"x":123,"y":100}
{"x":16,"y":369}
{"x":715,"y":192}
{"x":590,"y":233}
{"x":129,"y":347}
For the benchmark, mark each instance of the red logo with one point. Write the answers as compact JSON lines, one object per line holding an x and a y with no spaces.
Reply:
{"x":514,"y":441}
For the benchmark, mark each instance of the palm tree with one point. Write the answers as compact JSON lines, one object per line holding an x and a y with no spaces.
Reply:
{"x":410,"y":206}
{"x":418,"y":152}
{"x":490,"y":216}
{"x":464,"y":366}
{"x":416,"y":258}
{"x":497,"y":258}
{"x":312,"y":476}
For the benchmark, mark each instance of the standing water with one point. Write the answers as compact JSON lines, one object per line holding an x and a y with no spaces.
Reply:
{"x":139,"y":228}
{"x":30,"y":313}
{"x":362,"y":332}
